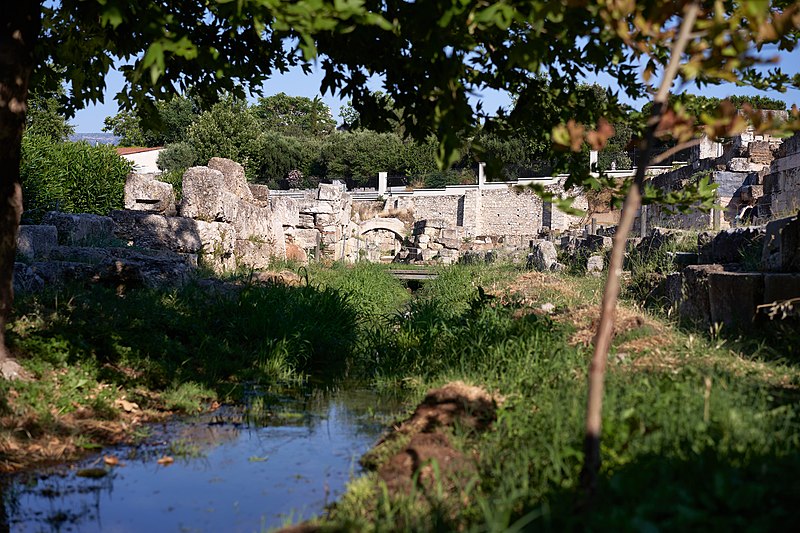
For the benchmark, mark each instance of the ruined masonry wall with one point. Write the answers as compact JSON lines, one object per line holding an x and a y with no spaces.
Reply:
{"x":505,"y":212}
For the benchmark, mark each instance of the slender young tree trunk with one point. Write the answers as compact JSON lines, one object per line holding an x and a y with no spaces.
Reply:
{"x":19,"y":28}
{"x":605,"y":331}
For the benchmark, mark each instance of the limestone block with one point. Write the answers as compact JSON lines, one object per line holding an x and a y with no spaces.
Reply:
{"x":35,"y":242}
{"x":422,"y":245}
{"x":285,"y":211}
{"x":252,"y":221}
{"x":330,"y":192}
{"x":315,"y":208}
{"x":324,"y":219}
{"x":116,"y":266}
{"x":543,"y":255}
{"x":83,"y":229}
{"x":145,"y":193}
{"x":734,"y":297}
{"x":331,"y":235}
{"x":751,"y":193}
{"x":781,"y":252}
{"x":423,"y":239}
{"x":428,"y":254}
{"x":452,"y":244}
{"x":435,"y":246}
{"x":693,"y":301}
{"x":253,"y":254}
{"x":595,"y":264}
{"x":179,"y":234}
{"x":739,"y":164}
{"x":779,"y":287}
{"x":305,"y":221}
{"x":306,"y":238}
{"x":450,"y":233}
{"x":205,"y":197}
{"x":259,"y":192}
{"x":734,"y":245}
{"x":234,"y":178}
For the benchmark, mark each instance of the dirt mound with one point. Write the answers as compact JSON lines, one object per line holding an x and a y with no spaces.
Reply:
{"x":456,"y":402}
{"x":407,"y":456}
{"x":427,"y":459}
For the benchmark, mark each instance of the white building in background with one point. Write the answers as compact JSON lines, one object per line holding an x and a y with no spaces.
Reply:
{"x":143,"y":159}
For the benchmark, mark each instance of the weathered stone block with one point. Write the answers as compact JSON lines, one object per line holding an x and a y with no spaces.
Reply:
{"x":692,"y":297}
{"x":145,"y":193}
{"x":452,"y":244}
{"x":739,"y":164}
{"x":34,"y":242}
{"x":543,"y":255}
{"x":751,"y":193}
{"x":324,"y":219}
{"x":204,"y":196}
{"x":306,"y":238}
{"x":234,"y":179}
{"x":781,"y":286}
{"x":252,"y":254}
{"x":315,"y":208}
{"x":179,"y":234}
{"x":252,"y":221}
{"x":305,"y":221}
{"x":595,"y":265}
{"x":734,"y":297}
{"x":81,"y":229}
{"x":330,"y":192}
{"x":259,"y":192}
{"x":781,"y":251}
{"x":736,"y":245}
{"x":285,"y":211}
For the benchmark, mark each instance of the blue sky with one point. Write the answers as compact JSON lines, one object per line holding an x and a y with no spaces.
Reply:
{"x":296,"y":83}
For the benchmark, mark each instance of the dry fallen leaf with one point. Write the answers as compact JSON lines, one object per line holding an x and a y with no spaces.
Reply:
{"x":110,"y":460}
{"x":126,"y":406}
{"x":166,"y":460}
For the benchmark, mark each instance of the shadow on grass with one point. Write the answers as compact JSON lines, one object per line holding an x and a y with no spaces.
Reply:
{"x":158,"y":338}
{"x":654,"y":493}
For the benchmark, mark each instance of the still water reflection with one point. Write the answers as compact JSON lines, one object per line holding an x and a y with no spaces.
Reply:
{"x":238,"y":469}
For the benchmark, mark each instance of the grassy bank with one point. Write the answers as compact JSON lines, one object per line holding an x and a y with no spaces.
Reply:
{"x":700,"y":430}
{"x":103,"y":362}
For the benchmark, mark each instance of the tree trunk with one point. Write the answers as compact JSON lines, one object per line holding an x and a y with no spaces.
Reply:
{"x":19,"y":31}
{"x":608,"y":307}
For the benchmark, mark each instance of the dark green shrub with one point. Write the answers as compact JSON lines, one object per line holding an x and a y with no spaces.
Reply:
{"x":273,"y":155}
{"x":71,"y":177}
{"x":359,"y":156}
{"x":177,"y":157}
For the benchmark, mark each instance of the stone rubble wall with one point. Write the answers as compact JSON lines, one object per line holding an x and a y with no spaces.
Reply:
{"x":758,"y":178}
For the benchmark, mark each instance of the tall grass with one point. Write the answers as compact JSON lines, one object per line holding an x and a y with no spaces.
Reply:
{"x":680,"y":445}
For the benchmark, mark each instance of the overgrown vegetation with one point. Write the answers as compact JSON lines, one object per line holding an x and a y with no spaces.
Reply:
{"x":71,"y":177}
{"x":698,"y":431}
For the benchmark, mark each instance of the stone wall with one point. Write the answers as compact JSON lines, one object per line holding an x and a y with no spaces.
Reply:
{"x":506,"y":212}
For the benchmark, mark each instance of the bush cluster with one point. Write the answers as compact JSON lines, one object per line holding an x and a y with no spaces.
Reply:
{"x":70,"y":177}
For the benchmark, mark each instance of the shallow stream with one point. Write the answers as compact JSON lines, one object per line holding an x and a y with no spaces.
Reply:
{"x":240,"y":468}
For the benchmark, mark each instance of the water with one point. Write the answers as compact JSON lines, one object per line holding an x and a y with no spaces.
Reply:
{"x":235,"y":470}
